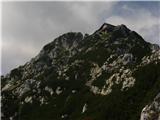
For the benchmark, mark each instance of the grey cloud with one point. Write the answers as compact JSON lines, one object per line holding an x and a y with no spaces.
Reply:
{"x":28,"y":26}
{"x":140,"y":20}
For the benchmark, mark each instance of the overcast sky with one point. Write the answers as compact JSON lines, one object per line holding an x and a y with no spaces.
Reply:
{"x":28,"y":26}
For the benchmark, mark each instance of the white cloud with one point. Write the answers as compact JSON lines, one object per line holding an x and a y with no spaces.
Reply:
{"x":90,"y":12}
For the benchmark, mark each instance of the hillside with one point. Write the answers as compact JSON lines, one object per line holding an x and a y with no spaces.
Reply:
{"x":112,"y":74}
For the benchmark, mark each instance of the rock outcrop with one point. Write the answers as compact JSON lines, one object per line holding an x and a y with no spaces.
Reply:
{"x":111,"y":74}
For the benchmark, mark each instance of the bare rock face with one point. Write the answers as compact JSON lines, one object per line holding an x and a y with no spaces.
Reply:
{"x":152,"y":111}
{"x":103,"y":76}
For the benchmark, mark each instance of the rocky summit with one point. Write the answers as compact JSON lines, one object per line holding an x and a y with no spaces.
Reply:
{"x":112,"y":74}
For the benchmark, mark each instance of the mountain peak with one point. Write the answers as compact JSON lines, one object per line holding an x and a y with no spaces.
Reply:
{"x":74,"y":74}
{"x":122,"y":27}
{"x":106,"y":28}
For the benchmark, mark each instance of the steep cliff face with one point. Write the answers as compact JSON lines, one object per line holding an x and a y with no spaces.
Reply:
{"x":111,"y":74}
